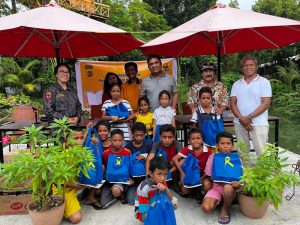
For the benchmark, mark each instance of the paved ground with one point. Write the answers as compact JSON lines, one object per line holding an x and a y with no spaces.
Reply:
{"x":188,"y":213}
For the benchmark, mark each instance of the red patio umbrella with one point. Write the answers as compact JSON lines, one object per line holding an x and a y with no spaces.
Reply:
{"x":54,"y":31}
{"x":225,"y":30}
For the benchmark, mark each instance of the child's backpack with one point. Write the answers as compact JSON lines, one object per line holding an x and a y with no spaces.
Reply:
{"x":162,"y":213}
{"x":137,"y":167}
{"x":118,"y":110}
{"x":226,"y":167}
{"x":162,"y":153}
{"x":191,"y":169}
{"x":95,"y":173}
{"x":210,"y":126}
{"x":117,"y":170}
{"x":157,"y":133}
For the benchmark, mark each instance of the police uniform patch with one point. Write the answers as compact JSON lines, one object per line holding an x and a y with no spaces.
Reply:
{"x":48,"y":95}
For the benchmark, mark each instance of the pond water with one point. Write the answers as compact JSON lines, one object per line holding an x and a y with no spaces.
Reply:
{"x":289,"y":133}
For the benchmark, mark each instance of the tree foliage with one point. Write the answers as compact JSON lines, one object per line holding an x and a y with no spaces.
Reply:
{"x":282,"y":8}
{"x":4,"y":8}
{"x":177,"y":12}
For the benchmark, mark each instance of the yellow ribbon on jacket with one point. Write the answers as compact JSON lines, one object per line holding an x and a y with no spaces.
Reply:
{"x":118,"y":161}
{"x":227,"y":161}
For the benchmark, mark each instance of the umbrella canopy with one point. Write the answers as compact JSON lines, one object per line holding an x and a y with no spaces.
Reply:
{"x":225,"y":30}
{"x":53,"y":31}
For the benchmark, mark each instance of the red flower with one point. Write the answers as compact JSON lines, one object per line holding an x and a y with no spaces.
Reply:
{"x":6,"y":139}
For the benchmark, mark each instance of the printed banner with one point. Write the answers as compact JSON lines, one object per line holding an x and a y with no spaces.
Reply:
{"x":90,"y":77}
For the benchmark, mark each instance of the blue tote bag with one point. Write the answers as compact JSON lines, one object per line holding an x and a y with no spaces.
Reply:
{"x":96,"y":171}
{"x":162,"y":153}
{"x":192,"y":176}
{"x":157,"y":133}
{"x":117,"y":170}
{"x":118,"y":110}
{"x":226,"y":167}
{"x":210,"y":126}
{"x":137,"y":167}
{"x":162,"y":213}
{"x":148,"y":138}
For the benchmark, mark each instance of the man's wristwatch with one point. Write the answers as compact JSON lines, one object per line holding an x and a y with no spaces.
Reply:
{"x":251,"y":116}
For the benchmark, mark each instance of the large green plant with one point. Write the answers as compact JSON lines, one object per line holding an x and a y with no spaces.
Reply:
{"x":267,"y":179}
{"x":58,"y":164}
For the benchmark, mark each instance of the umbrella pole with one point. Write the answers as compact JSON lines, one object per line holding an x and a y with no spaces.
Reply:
{"x":219,"y":45}
{"x":57,"y":56}
{"x":56,"y":48}
{"x":219,"y":62}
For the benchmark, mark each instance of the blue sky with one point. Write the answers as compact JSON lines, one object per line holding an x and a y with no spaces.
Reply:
{"x":244,"y":4}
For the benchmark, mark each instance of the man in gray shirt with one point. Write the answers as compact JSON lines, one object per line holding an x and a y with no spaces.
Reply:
{"x":156,"y":82}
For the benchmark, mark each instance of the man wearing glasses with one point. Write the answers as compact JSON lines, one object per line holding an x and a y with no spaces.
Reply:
{"x":61,"y":99}
{"x":220,"y":101}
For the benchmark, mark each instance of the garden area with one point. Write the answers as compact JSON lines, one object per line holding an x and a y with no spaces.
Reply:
{"x":23,"y":80}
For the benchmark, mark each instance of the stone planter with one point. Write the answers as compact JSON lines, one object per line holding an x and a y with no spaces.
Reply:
{"x":249,"y":207}
{"x":49,"y":217}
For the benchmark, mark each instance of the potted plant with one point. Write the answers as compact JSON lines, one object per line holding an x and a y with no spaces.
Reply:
{"x":12,"y":84}
{"x":58,"y":164}
{"x":264,"y":181}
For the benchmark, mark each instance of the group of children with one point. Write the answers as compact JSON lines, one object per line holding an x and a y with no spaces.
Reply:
{"x":154,"y":136}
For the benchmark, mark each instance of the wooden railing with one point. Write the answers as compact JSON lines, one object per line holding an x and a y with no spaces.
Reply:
{"x":91,"y":8}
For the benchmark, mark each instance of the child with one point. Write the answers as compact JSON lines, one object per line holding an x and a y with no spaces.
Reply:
{"x":120,"y":123}
{"x":164,"y":114}
{"x":145,"y":195}
{"x":219,"y":190}
{"x":103,"y":128}
{"x":201,"y":152}
{"x":73,"y":210}
{"x":138,"y":131}
{"x":205,"y":111}
{"x":168,"y":144}
{"x":145,"y":116}
{"x":111,"y":191}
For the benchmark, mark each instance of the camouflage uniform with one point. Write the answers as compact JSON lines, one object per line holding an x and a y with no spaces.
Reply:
{"x":59,"y":103}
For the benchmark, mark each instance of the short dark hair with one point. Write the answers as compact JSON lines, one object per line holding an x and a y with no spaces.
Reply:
{"x":193,"y":130}
{"x":117,"y":131}
{"x":158,"y":163}
{"x":138,"y":126}
{"x":143,"y":98}
{"x":131,"y":64}
{"x":102,"y":123}
{"x":164,"y":92}
{"x":60,"y":65}
{"x":205,"y":90}
{"x":224,"y":134}
{"x":116,"y":84}
{"x":153,"y":56}
{"x":77,"y":129}
{"x":106,"y":85}
{"x":167,"y":128}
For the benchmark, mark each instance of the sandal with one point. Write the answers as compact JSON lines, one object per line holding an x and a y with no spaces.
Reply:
{"x":224,"y":219}
{"x":95,"y":204}
{"x":124,"y":200}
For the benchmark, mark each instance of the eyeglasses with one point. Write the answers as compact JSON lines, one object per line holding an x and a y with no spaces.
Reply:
{"x":63,"y":71}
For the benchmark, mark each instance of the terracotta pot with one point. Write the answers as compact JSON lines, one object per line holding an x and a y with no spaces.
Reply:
{"x":49,"y":217}
{"x":249,"y":207}
{"x":23,"y":113}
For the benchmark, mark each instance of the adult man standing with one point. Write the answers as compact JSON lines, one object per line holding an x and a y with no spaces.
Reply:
{"x":250,"y":100}
{"x":220,"y":101}
{"x":130,"y":90}
{"x":157,"y":82}
{"x":61,"y":99}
